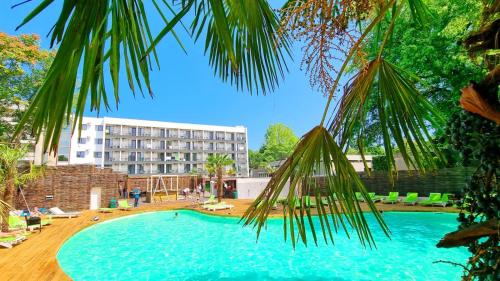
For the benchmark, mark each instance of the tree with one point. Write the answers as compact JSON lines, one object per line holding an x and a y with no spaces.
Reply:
{"x":11,"y":175}
{"x":434,"y":56}
{"x":218,"y":163}
{"x":23,"y":65}
{"x":278,"y":144}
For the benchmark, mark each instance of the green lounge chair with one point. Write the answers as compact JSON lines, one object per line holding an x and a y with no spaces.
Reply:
{"x":433,"y":198}
{"x":358,"y":196}
{"x":308,"y":202}
{"x":411,"y":198}
{"x":123,"y":205}
{"x":392,"y":198}
{"x":324,"y":201}
{"x":15,"y":222}
{"x":373,"y":197}
{"x":444,"y":200}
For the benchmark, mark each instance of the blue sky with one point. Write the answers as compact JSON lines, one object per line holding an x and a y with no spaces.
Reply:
{"x":186,"y":89}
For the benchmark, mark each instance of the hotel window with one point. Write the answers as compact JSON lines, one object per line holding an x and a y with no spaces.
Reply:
{"x":84,"y":126}
{"x":99,"y":128}
{"x":82,"y":140}
{"x":80,"y":154}
{"x":131,"y":169}
{"x":98,"y":154}
{"x":98,"y":141}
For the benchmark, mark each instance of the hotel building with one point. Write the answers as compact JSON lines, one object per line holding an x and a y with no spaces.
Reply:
{"x":152,"y":147}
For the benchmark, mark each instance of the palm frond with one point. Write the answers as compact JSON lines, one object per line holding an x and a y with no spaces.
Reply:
{"x":89,"y":35}
{"x":316,"y":159}
{"x":404,"y":114}
{"x":419,"y":11}
{"x":242,"y":43}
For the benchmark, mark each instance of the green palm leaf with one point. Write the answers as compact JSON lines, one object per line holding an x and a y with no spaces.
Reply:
{"x":241,"y":42}
{"x":316,"y":153}
{"x":89,"y":34}
{"x":404,"y":114}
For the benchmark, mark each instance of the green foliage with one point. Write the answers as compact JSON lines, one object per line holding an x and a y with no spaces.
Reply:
{"x":23,"y":66}
{"x":217,"y":161}
{"x":379,"y":163}
{"x":216,"y":164}
{"x":432,"y":54}
{"x":478,"y":142}
{"x":12,"y":175}
{"x":278,"y":144}
{"x":316,"y":151}
{"x":403,"y":112}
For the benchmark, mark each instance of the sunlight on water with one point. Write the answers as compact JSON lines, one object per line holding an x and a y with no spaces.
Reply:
{"x":192,"y":246}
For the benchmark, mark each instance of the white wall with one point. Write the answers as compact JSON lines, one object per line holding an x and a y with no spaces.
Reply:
{"x":90,"y":135}
{"x":250,"y":188}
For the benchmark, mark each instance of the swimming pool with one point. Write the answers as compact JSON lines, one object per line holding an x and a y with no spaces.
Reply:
{"x":193,"y":246}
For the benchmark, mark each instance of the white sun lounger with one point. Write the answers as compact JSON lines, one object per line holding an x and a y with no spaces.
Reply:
{"x":12,"y":243}
{"x":58,"y":213}
{"x":218,"y":206}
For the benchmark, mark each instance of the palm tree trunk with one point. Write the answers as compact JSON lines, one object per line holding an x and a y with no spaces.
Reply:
{"x":8,"y":197}
{"x":220,"y":187}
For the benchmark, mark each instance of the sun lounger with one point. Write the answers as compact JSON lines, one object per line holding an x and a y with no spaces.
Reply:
{"x":218,"y":206}
{"x":392,"y":198}
{"x":359,"y":197}
{"x":411,"y":198}
{"x":308,"y":202}
{"x":443,"y":202}
{"x":58,"y":213}
{"x":15,"y":222}
{"x":373,"y":197}
{"x":123,"y":205}
{"x":433,"y":198}
{"x":9,"y":242}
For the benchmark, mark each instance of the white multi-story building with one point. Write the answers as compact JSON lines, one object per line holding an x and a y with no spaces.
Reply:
{"x":152,"y":147}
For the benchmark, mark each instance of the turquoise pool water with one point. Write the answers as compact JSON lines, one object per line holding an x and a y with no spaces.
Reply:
{"x":193,"y":246}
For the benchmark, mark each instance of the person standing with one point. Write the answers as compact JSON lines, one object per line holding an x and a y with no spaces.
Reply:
{"x":120,"y":189}
{"x":137,"y":195}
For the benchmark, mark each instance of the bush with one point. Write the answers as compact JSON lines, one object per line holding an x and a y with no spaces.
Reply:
{"x":380,"y":163}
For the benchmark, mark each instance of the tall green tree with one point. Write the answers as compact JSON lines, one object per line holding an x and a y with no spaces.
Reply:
{"x":218,"y":163}
{"x":432,"y":55}
{"x":278,"y":144}
{"x":23,"y":65}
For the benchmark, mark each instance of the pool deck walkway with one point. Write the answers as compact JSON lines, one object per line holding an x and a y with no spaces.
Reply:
{"x":35,"y":259}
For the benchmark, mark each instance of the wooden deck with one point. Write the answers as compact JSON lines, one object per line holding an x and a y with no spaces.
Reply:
{"x":35,"y":259}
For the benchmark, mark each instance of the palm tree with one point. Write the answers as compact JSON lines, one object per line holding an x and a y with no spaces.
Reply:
{"x":247,"y":44}
{"x":218,"y":163}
